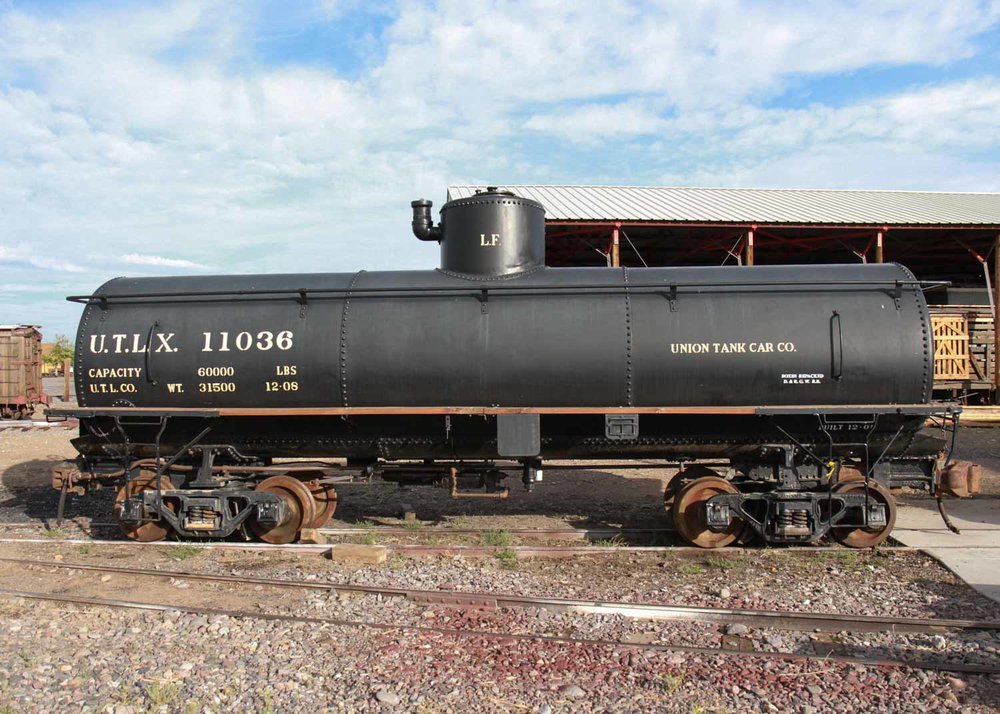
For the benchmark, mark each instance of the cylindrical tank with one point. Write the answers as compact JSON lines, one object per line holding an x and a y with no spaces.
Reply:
{"x":710,"y":336}
{"x":491,"y":234}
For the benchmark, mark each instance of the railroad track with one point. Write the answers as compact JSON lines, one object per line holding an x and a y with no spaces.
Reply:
{"x":471,"y":551}
{"x":793,"y":621}
{"x":607,"y":539}
{"x":25,"y":424}
{"x":777,"y":619}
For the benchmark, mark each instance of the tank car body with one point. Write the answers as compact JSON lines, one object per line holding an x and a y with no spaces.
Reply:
{"x":803,"y":380}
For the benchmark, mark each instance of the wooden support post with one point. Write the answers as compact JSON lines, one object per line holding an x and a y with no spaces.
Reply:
{"x":66,"y":364}
{"x":996,"y":318}
{"x":748,"y":249}
{"x":615,"y":252}
{"x":879,"y":243}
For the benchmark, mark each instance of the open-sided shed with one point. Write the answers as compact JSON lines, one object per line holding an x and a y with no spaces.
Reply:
{"x":939,"y":236}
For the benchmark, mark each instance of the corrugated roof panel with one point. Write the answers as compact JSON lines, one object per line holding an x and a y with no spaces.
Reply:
{"x":727,"y":205}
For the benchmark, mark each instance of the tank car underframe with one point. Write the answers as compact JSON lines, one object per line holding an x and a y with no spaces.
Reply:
{"x":783,"y":464}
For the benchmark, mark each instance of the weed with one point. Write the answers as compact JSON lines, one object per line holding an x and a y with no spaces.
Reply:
{"x":268,"y":707}
{"x":670,"y":683}
{"x":5,"y":706}
{"x":183,"y":552}
{"x":507,"y":558}
{"x":698,"y":709}
{"x":366,"y":524}
{"x":497,"y":538}
{"x":85,"y":549}
{"x":52,"y":533}
{"x":124,"y":694}
{"x":722,"y":562}
{"x":163,"y":693}
{"x":413,"y":524}
{"x":191,"y":707}
{"x":367,"y":539}
{"x":848,"y":559}
{"x":689,"y":569}
{"x":616,"y":542}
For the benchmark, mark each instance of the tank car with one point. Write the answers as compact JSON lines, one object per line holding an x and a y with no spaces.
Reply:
{"x":805,"y":386}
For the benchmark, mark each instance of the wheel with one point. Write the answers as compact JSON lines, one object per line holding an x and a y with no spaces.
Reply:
{"x":151,"y":530}
{"x":299,"y":512}
{"x":677,"y":481}
{"x":689,"y":512}
{"x":864,"y":537}
{"x":325,"y":498}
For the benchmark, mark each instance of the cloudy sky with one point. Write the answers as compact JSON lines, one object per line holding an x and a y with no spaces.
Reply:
{"x":217,"y":137}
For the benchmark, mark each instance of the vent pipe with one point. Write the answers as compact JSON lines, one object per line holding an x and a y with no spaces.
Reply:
{"x":423,"y":224}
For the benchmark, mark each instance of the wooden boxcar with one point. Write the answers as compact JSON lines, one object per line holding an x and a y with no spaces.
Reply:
{"x":20,"y":371}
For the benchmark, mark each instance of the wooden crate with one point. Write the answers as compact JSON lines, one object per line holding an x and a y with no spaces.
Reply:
{"x":951,"y":347}
{"x":981,"y":359}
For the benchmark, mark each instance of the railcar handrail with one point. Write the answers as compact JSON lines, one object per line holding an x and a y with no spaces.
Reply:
{"x":715,"y":411}
{"x":299,"y":294}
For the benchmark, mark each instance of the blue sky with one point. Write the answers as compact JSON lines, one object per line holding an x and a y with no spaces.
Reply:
{"x":217,"y":137}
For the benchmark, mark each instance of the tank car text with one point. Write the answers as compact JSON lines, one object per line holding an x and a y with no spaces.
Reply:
{"x":725,"y":348}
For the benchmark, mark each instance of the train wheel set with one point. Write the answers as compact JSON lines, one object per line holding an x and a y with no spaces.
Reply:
{"x":792,"y":399}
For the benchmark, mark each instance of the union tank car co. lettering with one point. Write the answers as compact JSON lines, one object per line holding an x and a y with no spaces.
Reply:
{"x":493,"y":363}
{"x":728,"y":348}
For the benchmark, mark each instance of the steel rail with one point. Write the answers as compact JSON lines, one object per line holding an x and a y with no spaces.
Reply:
{"x":777,"y":619}
{"x":540,"y":533}
{"x":504,"y":637}
{"x":526,"y":551}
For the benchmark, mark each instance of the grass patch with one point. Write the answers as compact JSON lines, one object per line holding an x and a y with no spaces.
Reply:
{"x":52,"y":533}
{"x":268,"y":707}
{"x":616,"y":542}
{"x":414,"y":524}
{"x":689,"y":569}
{"x":163,"y":693}
{"x":85,"y":549}
{"x":366,"y":523}
{"x":5,"y":706}
{"x":183,"y":552}
{"x":670,"y":683}
{"x":507,"y":558}
{"x":846,"y":559}
{"x":722,"y":562}
{"x":367,"y":539}
{"x":496,"y":538}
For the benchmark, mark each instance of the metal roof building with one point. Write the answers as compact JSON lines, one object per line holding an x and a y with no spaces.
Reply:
{"x":951,"y":234}
{"x":762,"y":206}
{"x":938,"y":235}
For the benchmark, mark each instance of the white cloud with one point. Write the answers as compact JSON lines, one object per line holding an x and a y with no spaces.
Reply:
{"x":153,"y":132}
{"x":39,"y":258}
{"x":603,"y":122}
{"x":161,"y":262}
